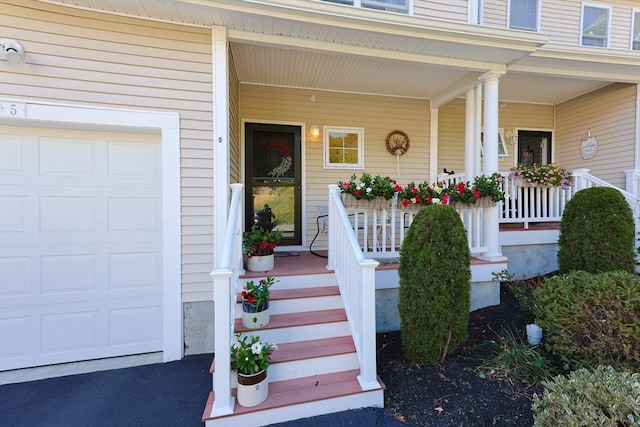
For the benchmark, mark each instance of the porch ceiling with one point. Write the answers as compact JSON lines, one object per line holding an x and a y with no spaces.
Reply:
{"x":323,"y":46}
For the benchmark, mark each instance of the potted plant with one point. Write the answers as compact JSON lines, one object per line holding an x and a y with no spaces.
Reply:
{"x":369,"y":192}
{"x":255,"y":303}
{"x":250,"y":359}
{"x":258,"y":245}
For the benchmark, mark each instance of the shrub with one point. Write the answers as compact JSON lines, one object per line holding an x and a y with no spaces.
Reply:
{"x":597,"y":232}
{"x":435,"y":282}
{"x":602,"y":397}
{"x":513,"y":359}
{"x":592,"y":319}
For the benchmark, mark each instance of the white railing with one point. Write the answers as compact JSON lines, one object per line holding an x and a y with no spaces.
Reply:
{"x":357,"y":282}
{"x":380,"y":232}
{"x":225,"y":282}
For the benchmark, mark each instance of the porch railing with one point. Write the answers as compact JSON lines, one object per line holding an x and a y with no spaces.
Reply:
{"x":380,"y":232}
{"x":356,"y":279}
{"x":225,"y":290}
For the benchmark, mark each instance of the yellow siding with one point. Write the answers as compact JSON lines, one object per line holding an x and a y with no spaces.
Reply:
{"x":494,"y":13}
{"x":610,"y":114}
{"x":234,"y":123}
{"x":377,"y":115}
{"x":452,"y":10}
{"x":512,"y":116}
{"x":75,"y":55}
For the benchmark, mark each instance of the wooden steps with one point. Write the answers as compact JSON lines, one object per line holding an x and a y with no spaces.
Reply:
{"x":315,"y":369}
{"x":335,"y":392}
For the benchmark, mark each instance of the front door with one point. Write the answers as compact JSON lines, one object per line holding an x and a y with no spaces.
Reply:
{"x":534,"y":147}
{"x":273,"y":178}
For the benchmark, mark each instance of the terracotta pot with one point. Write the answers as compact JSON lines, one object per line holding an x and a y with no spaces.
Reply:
{"x":252,"y":389}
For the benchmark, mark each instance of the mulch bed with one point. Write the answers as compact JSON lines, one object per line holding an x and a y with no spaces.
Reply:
{"x":453,"y":393}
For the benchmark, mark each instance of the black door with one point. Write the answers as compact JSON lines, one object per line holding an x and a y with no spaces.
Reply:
{"x":534,"y":147}
{"x":273,"y":178}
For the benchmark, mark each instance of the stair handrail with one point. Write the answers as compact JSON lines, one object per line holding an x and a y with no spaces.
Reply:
{"x":225,"y":282}
{"x":357,"y":287}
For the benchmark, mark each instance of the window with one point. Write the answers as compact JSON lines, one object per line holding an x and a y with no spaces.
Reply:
{"x":595,"y":25}
{"x":343,"y":147}
{"x":399,"y":6}
{"x":523,"y":14}
{"x":635,"y":30}
{"x":475,"y":12}
{"x":502,"y":147}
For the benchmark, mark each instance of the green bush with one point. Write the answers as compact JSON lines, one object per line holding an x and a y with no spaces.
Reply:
{"x":435,"y":283}
{"x":602,"y":397}
{"x":597,"y":232}
{"x":592,"y":319}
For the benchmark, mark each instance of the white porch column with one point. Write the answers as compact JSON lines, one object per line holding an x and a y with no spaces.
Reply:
{"x":470,"y":132}
{"x":433,"y":145}
{"x":220,"y":100}
{"x":490,"y":164}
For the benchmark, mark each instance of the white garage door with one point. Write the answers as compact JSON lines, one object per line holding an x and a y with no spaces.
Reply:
{"x":80,"y":245}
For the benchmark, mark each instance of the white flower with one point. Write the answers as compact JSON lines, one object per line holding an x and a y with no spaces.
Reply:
{"x":369,"y":189}
{"x":256,"y":348}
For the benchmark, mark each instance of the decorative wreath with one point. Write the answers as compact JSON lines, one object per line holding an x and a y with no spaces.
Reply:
{"x":397,"y":142}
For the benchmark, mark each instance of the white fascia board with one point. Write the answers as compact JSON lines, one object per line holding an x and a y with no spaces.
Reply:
{"x":323,"y":13}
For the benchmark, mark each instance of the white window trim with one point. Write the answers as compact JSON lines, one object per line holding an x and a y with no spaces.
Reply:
{"x":358,"y":3}
{"x":537,"y":26}
{"x":327,"y":163}
{"x":501,"y":143}
{"x":634,"y":11}
{"x":475,"y":12}
{"x":598,"y":6}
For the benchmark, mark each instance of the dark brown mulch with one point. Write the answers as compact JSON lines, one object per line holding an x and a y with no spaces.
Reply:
{"x":452,"y":393}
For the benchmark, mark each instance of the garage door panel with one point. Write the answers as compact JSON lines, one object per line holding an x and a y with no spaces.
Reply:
{"x":134,"y":161}
{"x":80,"y":246}
{"x":135,"y":270}
{"x":67,"y":157}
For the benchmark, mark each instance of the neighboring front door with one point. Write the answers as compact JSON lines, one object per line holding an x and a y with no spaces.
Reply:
{"x":534,"y":147}
{"x":273,"y":178}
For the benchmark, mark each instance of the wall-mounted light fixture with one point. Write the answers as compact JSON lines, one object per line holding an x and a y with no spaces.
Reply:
{"x":314,"y":131}
{"x":512,"y":137}
{"x":11,"y":50}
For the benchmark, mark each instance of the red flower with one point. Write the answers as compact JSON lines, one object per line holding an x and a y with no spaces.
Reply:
{"x":418,"y":199}
{"x":406,"y":203}
{"x":429,"y":199}
{"x":244,"y":294}
{"x":476,"y":194}
{"x":356,"y":192}
{"x":250,"y":299}
{"x":460,"y":188}
{"x":445,"y":199}
{"x":263,"y":245}
{"x":272,"y":246}
{"x":414,"y":190}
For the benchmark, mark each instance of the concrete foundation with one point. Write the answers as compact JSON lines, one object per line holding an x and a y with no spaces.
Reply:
{"x":198,"y":327}
{"x":529,"y":261}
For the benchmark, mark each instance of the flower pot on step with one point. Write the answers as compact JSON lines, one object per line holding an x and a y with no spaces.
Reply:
{"x":252,"y":389}
{"x":260,"y":262}
{"x":253,"y":317}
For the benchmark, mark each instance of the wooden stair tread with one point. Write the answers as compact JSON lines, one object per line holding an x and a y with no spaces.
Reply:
{"x":297,"y":319}
{"x":301,"y":350}
{"x":300,"y":390}
{"x":284,"y":294}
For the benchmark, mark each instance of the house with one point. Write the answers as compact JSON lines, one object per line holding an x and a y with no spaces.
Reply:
{"x":124,"y":124}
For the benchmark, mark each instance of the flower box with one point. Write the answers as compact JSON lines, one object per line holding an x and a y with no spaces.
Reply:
{"x":375,"y":203}
{"x":482,"y":202}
